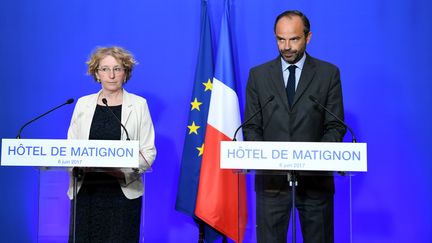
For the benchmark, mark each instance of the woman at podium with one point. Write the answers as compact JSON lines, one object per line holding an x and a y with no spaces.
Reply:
{"x":108,"y":203}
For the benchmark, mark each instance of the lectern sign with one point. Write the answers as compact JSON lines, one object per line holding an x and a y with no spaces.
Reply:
{"x":69,"y":153}
{"x":311,"y":156}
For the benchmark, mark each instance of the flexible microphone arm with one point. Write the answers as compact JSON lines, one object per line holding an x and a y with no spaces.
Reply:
{"x":250,"y":118}
{"x":315,"y":100}
{"x":69,"y":101}
{"x":124,"y":128}
{"x":127,"y":138}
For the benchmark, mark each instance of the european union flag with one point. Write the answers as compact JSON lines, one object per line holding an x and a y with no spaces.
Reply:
{"x":196,"y":128}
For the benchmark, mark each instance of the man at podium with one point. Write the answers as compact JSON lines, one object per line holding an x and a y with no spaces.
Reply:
{"x":109,"y":203}
{"x":287,"y":82}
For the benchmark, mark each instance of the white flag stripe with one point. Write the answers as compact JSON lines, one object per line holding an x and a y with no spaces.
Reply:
{"x":224,"y":113}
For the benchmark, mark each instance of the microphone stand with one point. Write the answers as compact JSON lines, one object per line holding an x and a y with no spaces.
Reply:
{"x":201,"y":224}
{"x":269,"y":99}
{"x":69,"y":101}
{"x":118,"y":120}
{"x":76,"y":173}
{"x":353,"y":140}
{"x":292,"y":179}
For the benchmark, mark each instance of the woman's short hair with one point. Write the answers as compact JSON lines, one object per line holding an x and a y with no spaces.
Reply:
{"x":120,"y":54}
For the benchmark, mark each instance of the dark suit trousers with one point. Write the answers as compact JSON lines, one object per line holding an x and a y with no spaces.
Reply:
{"x":273,"y":217}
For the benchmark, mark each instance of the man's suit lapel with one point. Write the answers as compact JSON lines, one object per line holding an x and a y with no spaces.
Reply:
{"x":306,"y":77}
{"x":277,"y":81}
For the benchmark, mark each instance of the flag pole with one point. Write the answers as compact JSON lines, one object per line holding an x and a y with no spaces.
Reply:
{"x":201,"y":232}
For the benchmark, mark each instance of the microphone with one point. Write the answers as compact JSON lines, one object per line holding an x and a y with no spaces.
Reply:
{"x":124,"y":128}
{"x":69,"y":101}
{"x":127,"y":137}
{"x":269,"y":99}
{"x":315,"y":100}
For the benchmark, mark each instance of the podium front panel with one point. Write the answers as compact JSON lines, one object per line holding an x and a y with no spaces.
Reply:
{"x":55,"y":207}
{"x":342,"y":209}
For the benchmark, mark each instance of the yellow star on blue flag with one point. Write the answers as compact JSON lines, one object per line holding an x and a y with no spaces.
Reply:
{"x":193,"y":128}
{"x":195,"y":104}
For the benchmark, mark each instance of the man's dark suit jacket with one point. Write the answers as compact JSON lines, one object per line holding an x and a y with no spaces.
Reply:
{"x":304,"y":121}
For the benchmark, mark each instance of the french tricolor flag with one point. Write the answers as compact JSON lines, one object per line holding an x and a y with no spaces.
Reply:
{"x":221,"y":201}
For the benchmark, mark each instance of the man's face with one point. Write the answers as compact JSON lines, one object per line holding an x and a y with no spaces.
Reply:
{"x":291,"y":39}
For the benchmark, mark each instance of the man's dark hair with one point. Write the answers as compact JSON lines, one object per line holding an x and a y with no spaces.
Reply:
{"x":291,"y":13}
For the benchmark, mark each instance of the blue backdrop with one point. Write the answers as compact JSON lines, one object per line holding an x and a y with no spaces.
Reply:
{"x":383,"y":49}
